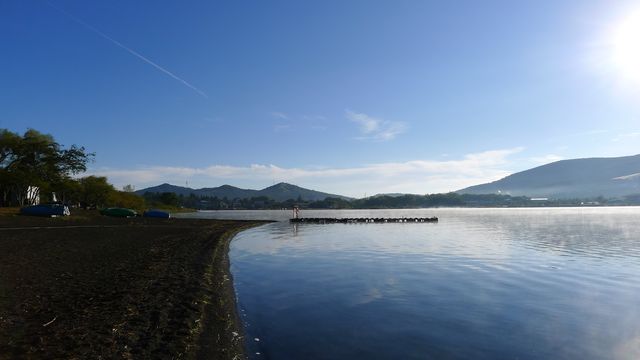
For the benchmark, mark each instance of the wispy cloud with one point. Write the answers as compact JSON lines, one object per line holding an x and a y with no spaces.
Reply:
{"x":279,"y":115}
{"x":316,"y":122}
{"x":628,"y":177}
{"x":130,"y":50}
{"x":626,"y":136}
{"x":373,"y":128}
{"x":314,"y":118}
{"x":292,"y":122}
{"x":416,"y":176}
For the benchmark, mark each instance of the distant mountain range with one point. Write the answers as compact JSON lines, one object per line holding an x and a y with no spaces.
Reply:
{"x":578,"y":178}
{"x":278,"y":192}
{"x":566,"y":179}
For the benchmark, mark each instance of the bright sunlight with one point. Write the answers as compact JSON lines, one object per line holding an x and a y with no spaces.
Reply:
{"x":626,"y":47}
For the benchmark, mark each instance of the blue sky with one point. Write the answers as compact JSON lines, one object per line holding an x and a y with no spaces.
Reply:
{"x":349,"y":97}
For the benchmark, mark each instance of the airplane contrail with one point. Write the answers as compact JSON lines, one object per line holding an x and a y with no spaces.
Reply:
{"x":131,"y":51}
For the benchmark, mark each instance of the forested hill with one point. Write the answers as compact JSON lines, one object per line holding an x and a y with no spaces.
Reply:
{"x":278,"y":192}
{"x":577,"y":178}
{"x":284,"y":191}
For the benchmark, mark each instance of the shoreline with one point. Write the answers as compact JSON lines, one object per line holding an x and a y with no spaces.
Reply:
{"x":229,"y":342}
{"x":95,"y":287}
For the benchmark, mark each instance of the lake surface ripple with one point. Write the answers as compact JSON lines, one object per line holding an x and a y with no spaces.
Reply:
{"x":480,"y":284}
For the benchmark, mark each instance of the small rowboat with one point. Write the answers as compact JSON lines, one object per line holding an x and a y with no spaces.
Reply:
{"x":46,"y":210}
{"x":156,"y":214}
{"x":118,"y":212}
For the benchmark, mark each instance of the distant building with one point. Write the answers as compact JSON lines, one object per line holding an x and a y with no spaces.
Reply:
{"x":539,"y":199}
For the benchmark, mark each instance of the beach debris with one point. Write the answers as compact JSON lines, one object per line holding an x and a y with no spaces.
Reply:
{"x":50,"y":322}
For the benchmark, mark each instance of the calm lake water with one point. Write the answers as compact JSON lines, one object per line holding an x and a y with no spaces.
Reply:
{"x":560,"y":283}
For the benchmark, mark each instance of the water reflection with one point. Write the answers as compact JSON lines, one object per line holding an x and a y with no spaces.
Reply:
{"x":482,"y":284}
{"x":490,"y":233}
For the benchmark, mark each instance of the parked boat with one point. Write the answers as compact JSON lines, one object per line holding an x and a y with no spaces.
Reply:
{"x":118,"y":212}
{"x":156,"y":214}
{"x":46,"y":210}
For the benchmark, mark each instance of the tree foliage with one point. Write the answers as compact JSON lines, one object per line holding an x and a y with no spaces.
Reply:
{"x":95,"y":191}
{"x":126,"y":199}
{"x":407,"y":201}
{"x":128,"y":188}
{"x":34,"y":161}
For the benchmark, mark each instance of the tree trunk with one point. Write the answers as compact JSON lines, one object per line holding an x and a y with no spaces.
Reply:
{"x":20,"y":196}
{"x":5,"y":195}
{"x":33,"y":193}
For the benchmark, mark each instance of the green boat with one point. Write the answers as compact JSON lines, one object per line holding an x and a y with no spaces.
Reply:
{"x":118,"y":212}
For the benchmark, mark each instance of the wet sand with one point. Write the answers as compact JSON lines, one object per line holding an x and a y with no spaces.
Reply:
{"x":96,"y":287}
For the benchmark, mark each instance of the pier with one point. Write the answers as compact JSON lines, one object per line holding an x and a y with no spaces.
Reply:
{"x":299,"y":220}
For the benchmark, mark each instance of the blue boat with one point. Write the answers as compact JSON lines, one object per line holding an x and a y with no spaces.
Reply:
{"x":156,"y":214}
{"x":46,"y":210}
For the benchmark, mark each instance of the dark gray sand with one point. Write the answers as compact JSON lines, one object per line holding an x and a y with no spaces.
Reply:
{"x":95,"y":287}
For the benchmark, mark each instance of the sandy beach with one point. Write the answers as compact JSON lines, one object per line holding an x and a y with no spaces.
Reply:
{"x":96,"y":287}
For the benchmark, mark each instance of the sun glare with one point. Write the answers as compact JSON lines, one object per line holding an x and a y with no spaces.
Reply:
{"x":626,"y":47}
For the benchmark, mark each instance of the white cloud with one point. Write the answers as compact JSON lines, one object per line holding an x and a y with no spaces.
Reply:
{"x":376,"y":129}
{"x":367,"y":123}
{"x":416,"y":176}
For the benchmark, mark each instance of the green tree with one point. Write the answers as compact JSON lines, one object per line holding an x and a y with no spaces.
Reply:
{"x":69,"y":191}
{"x":126,"y":200}
{"x":128,"y":188}
{"x":9,"y":143}
{"x":95,"y":191}
{"x":35,"y":160}
{"x":169,"y":198}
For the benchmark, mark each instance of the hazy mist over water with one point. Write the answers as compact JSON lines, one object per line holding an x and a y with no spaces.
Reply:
{"x":561,"y":283}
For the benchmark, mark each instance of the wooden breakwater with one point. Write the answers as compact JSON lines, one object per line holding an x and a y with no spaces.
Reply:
{"x":363,"y":220}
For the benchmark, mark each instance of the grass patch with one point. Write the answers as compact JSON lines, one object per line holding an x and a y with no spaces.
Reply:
{"x":9,"y":211}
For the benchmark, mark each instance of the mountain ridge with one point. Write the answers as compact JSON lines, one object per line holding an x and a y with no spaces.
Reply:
{"x":573,"y":178}
{"x":279,"y":192}
{"x":609,"y":177}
